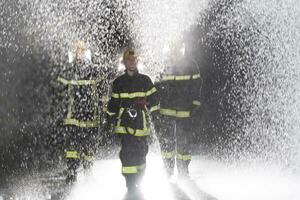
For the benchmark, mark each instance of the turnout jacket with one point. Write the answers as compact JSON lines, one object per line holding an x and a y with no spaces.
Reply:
{"x":78,"y":95}
{"x":179,"y":89}
{"x":132,"y":99}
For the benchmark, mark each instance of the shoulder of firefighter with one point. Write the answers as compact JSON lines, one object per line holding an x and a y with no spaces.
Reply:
{"x":132,"y":101}
{"x":179,"y":90}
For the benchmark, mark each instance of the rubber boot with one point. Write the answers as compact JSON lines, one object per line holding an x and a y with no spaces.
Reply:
{"x":71,"y":177}
{"x":132,"y":183}
{"x":182,"y":167}
{"x":169,"y":166}
{"x":71,"y":172}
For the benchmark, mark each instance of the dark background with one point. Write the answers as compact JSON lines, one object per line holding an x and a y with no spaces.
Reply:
{"x":24,"y":95}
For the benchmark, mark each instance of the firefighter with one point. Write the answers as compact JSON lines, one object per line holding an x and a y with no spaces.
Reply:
{"x":179,"y":89}
{"x":133,"y":98}
{"x":77,"y":100}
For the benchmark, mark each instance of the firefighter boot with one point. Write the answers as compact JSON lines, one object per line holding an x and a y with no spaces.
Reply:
{"x":87,"y":162}
{"x":131,"y":183}
{"x":71,"y":177}
{"x":182,"y":167}
{"x":71,"y":172}
{"x":169,"y":166}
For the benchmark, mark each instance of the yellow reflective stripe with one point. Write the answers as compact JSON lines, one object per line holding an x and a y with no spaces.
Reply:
{"x":63,"y":81}
{"x":168,"y":112}
{"x":148,"y":93}
{"x":88,"y":158}
{"x":110,"y":113}
{"x":76,"y":82}
{"x":197,"y":103}
{"x":95,"y":99}
{"x":82,"y":82}
{"x":129,"y":170}
{"x":83,"y":124}
{"x":132,"y":169}
{"x":141,"y":167}
{"x":154,"y":108}
{"x":168,"y":77}
{"x":175,"y":113}
{"x":71,"y":101}
{"x":134,"y":94}
{"x":184,"y":157}
{"x":72,"y":154}
{"x":177,"y":78}
{"x":119,"y":116}
{"x":144,"y":120}
{"x":180,"y":77}
{"x":183,"y":114}
{"x":168,"y":154}
{"x":115,"y":95}
{"x":135,"y":132}
{"x":196,"y":76}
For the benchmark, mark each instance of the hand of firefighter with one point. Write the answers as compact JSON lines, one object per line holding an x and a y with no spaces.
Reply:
{"x":109,"y":123}
{"x":107,"y":129}
{"x":196,"y":110}
{"x":141,"y":103}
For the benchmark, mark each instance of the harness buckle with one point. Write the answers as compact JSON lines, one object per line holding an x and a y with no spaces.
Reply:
{"x":132,"y":112}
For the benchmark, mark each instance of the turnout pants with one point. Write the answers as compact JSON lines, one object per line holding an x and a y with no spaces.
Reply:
{"x":80,"y":146}
{"x":175,"y":141}
{"x":133,"y":158}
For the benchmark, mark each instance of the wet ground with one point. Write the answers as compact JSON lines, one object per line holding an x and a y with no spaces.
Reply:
{"x":210,"y":180}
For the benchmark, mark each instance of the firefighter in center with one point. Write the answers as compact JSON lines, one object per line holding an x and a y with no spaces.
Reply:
{"x":133,"y":98}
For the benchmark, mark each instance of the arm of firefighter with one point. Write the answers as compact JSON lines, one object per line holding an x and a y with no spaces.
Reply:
{"x":113,"y":103}
{"x":152,"y":96}
{"x":196,"y":87}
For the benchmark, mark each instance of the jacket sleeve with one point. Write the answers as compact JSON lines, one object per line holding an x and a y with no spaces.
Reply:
{"x":152,"y":96}
{"x":114,"y":102}
{"x":196,"y":85}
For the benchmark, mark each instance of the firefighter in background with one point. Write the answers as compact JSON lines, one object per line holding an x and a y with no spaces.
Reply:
{"x":133,"y":97}
{"x":179,"y":88}
{"x":78,"y":102}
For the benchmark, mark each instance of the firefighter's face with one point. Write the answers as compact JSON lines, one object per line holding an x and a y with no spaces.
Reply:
{"x":131,"y":63}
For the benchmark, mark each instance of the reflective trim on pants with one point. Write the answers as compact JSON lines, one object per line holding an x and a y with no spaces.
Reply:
{"x":133,"y":169}
{"x":184,"y":157}
{"x":72,"y":154}
{"x":168,"y":154}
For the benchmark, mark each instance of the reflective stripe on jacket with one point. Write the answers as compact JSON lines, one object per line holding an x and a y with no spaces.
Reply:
{"x":179,"y":89}
{"x":126,"y":93}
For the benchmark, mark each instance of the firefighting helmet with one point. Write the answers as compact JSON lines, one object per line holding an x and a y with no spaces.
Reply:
{"x":129,"y":52}
{"x":176,"y":52}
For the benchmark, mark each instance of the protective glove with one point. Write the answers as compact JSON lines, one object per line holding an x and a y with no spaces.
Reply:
{"x":106,"y":131}
{"x":141,"y":103}
{"x":195,"y":112}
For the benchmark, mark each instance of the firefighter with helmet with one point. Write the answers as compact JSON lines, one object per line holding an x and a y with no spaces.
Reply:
{"x":179,"y":88}
{"x":78,"y":106}
{"x":133,"y":98}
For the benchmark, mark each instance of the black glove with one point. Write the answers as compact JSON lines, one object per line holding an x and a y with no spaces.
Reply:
{"x":195,"y":112}
{"x":106,"y":131}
